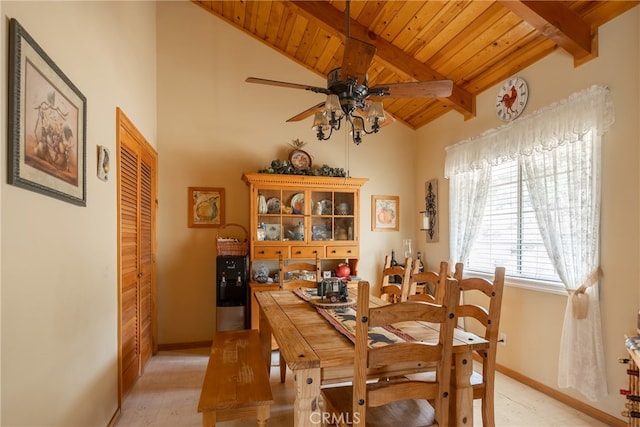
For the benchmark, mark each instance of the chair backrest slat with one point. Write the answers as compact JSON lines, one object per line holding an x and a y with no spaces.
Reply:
{"x":395,"y":292}
{"x":426,"y":278}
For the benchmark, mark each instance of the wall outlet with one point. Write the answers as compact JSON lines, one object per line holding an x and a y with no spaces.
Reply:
{"x":502,"y":339}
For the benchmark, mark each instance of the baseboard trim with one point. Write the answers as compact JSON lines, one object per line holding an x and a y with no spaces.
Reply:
{"x":184,"y":345}
{"x":561,"y":397}
{"x":115,"y":418}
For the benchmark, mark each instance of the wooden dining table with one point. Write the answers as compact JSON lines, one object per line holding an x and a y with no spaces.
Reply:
{"x":318,"y":354}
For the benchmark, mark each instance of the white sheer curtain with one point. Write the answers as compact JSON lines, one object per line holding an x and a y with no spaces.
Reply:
{"x":559,"y":147}
{"x":467,"y":199}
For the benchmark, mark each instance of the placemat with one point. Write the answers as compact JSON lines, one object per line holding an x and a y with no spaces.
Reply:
{"x":306,"y":293}
{"x":344,"y":320}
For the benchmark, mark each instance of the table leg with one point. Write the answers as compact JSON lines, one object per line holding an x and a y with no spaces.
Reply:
{"x":265,"y":339}
{"x":461,"y":406}
{"x":306,"y":408}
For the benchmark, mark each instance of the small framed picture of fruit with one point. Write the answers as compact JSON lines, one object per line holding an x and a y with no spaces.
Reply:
{"x":385,"y":213}
{"x":206,"y":207}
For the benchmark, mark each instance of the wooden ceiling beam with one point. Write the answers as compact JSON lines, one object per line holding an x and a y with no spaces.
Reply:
{"x":560,"y":24}
{"x":333,"y":21}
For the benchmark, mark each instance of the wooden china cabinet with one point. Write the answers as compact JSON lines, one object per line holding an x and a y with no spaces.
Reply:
{"x":302,"y":217}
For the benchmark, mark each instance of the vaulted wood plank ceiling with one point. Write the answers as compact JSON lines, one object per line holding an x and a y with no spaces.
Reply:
{"x":476,"y":44}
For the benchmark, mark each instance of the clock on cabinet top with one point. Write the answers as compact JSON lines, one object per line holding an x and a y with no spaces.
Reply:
{"x":300,"y":159}
{"x":512,"y":98}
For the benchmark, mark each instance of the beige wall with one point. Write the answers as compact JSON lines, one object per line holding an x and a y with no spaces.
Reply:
{"x":532,"y":320}
{"x":59,"y":282}
{"x":213,"y":126}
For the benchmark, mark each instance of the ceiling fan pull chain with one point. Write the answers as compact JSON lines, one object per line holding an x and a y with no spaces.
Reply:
{"x":346,"y":154}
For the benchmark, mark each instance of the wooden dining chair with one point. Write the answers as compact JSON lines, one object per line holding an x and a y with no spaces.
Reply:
{"x":395,"y":292}
{"x":399,"y":402}
{"x":480,"y":312}
{"x":484,"y":315}
{"x":296,"y":268}
{"x":431,"y":283}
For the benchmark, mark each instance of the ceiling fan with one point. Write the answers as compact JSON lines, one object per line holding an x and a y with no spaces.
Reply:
{"x":348,"y":92}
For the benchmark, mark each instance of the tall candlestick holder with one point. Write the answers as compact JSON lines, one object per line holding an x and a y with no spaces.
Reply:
{"x":430,"y":214}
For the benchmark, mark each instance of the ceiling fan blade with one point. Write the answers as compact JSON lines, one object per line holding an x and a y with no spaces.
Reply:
{"x":426,"y":89}
{"x":286,"y":84}
{"x":306,"y":113}
{"x":357,"y":59}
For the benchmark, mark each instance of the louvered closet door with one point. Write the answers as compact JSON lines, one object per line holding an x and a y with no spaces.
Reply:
{"x":129,"y":267}
{"x":137,"y":190}
{"x":147,"y":202}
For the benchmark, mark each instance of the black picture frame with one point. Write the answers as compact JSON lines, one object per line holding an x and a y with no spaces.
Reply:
{"x":47,"y":123}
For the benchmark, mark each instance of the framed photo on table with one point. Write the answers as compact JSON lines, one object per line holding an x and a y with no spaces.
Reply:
{"x":385,"y":213}
{"x":206,"y":207}
{"x":47,"y":123}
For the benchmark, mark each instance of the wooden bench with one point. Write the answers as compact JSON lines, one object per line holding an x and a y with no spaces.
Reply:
{"x":236,"y":384}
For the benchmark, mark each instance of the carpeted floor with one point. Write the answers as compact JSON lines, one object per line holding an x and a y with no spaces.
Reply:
{"x":167,"y":395}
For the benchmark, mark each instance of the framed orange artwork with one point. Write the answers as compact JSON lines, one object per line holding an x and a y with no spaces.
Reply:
{"x":206,"y":207}
{"x":385,"y":213}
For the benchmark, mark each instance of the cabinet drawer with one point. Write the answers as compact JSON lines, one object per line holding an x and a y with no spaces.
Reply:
{"x":308,"y":252}
{"x":270,"y":252}
{"x":342,"y":252}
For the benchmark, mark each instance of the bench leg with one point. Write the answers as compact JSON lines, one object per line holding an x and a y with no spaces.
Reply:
{"x":209,"y":419}
{"x":263,"y":413}
{"x":283,"y":368}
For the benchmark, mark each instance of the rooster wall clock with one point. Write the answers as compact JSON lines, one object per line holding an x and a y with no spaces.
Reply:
{"x":512,"y":98}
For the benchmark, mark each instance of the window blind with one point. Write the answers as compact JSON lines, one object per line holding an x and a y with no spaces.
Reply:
{"x":509,"y":234}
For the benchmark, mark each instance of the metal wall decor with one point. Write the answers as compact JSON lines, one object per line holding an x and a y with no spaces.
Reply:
{"x":104,"y":163}
{"x":430,"y":214}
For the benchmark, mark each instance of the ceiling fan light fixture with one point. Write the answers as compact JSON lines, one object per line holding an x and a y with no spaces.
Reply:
{"x":357,"y":129}
{"x":332,"y":105}
{"x":376,"y":111}
{"x":321,"y":125}
{"x":320,"y":121}
{"x":348,"y":92}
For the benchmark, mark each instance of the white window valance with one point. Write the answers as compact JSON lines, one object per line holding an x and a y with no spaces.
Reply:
{"x":557,"y":124}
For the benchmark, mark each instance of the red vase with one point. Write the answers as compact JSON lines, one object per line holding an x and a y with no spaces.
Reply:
{"x":343,"y":270}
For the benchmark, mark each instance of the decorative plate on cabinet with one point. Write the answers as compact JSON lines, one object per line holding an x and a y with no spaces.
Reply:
{"x":297,"y":203}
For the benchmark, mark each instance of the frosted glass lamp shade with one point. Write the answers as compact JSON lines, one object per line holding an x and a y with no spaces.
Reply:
{"x":358,"y":124}
{"x":332,"y":105}
{"x":320,"y":122}
{"x":376,"y":110}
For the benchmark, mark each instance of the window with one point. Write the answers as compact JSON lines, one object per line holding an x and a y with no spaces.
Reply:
{"x":549,"y":160}
{"x":509,"y":234}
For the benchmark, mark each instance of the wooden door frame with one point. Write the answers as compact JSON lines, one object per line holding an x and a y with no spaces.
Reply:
{"x":123,"y":123}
